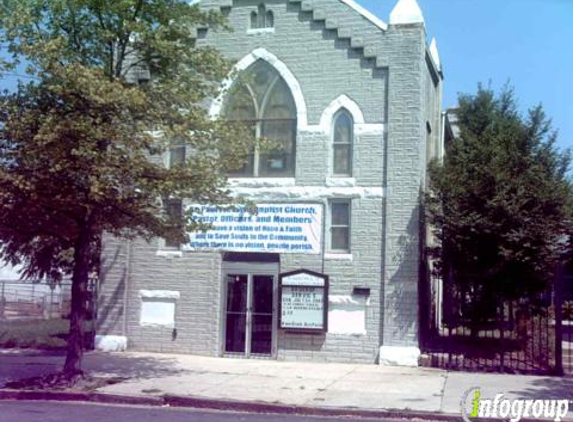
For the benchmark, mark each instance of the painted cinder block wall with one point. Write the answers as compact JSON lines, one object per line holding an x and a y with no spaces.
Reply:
{"x":385,"y":73}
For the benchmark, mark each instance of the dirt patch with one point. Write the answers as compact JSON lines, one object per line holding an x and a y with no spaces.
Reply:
{"x":61,"y":382}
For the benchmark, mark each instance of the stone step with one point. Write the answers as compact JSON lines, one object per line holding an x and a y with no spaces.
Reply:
{"x":357,"y":42}
{"x":369,"y":51}
{"x":381,"y":61}
{"x":319,"y":14}
{"x":344,"y":33}
{"x":330,"y":23}
{"x":306,"y":6}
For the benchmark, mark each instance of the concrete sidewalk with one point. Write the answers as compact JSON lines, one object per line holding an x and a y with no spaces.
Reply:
{"x":320,"y":385}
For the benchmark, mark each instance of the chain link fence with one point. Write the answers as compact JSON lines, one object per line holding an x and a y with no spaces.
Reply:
{"x":33,"y":300}
{"x":24,"y":301}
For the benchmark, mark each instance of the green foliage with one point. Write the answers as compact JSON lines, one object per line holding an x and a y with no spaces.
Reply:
{"x":500,"y":203}
{"x":81,"y":147}
{"x":116,"y":84}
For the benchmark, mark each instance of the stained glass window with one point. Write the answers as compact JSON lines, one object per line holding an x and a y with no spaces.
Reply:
{"x":266,"y":102}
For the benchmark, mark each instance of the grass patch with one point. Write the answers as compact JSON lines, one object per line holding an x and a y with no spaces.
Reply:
{"x":48,"y":334}
{"x":38,"y":334}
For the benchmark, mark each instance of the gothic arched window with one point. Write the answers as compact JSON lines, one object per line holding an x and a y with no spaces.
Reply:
{"x":342,"y":140}
{"x":266,"y":102}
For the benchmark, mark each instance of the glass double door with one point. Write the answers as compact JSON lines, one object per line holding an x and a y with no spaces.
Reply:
{"x":249,"y":314}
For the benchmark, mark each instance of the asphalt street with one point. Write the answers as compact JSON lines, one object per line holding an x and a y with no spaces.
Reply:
{"x":30,"y":411}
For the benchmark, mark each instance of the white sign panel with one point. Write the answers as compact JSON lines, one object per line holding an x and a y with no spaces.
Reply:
{"x":280,"y":228}
{"x":157,"y":312}
{"x":346,"y":315}
{"x":302,"y":307}
{"x":303,"y":300}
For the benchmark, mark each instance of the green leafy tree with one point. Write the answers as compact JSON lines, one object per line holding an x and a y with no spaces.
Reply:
{"x":115,"y":85}
{"x":500,"y":203}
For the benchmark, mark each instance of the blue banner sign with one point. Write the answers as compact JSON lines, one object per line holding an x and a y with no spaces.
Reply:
{"x":279,"y":228}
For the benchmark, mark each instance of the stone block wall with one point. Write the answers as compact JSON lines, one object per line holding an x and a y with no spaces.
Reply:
{"x":333,"y":56}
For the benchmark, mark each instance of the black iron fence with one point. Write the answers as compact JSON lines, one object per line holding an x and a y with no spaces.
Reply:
{"x":533,"y":336}
{"x":563,"y":304}
{"x":520,"y":338}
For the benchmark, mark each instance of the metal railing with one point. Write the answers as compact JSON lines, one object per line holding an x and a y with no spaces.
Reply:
{"x":30,"y":300}
{"x":523,"y":336}
{"x":519,"y":339}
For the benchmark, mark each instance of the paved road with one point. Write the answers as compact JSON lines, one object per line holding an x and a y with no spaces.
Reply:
{"x":27,"y":411}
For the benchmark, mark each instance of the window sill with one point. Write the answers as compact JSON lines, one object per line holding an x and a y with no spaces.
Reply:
{"x":261,"y":182}
{"x":348,"y":334}
{"x":157,"y":324}
{"x":340,"y":181}
{"x":169,"y":253}
{"x":338,"y":256}
{"x":258,"y":31}
{"x":159,"y":294}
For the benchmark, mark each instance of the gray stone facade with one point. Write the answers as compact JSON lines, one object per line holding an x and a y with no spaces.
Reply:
{"x":337,"y":57}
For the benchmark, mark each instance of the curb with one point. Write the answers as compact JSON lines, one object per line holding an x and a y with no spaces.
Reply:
{"x":234,"y":406}
{"x":286,"y":409}
{"x":88,"y":397}
{"x":223,"y":405}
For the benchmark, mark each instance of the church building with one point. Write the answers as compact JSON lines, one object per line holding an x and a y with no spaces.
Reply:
{"x":330,"y":268}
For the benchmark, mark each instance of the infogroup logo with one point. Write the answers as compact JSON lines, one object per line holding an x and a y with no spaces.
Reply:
{"x":473,"y":407}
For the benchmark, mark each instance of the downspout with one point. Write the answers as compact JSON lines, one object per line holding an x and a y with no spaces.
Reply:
{"x":386,"y":194}
{"x":442,"y":136}
{"x":323,"y":246}
{"x":439,"y":298}
{"x":126,"y":287}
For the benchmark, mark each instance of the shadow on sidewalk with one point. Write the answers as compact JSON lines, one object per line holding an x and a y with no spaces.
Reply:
{"x":133,"y":366}
{"x":547,"y":388}
{"x":18,"y":364}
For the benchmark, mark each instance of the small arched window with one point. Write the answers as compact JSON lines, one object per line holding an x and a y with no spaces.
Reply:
{"x":265,"y":101}
{"x":270,"y":20}
{"x":254,"y":20}
{"x":342,"y":140}
{"x":262,"y":18}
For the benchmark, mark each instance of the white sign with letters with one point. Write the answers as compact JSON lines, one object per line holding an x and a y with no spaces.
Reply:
{"x":304,"y":299}
{"x":279,"y":228}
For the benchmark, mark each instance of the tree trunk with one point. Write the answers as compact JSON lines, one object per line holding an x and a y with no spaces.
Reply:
{"x":80,"y":275}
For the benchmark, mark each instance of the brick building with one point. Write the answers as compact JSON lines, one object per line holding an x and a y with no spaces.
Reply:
{"x":356,"y":104}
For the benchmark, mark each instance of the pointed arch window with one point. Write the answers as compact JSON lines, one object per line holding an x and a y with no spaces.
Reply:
{"x":266,"y":103}
{"x":342,"y":140}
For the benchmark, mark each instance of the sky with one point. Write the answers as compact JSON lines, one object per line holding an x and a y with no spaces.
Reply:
{"x":528,"y":43}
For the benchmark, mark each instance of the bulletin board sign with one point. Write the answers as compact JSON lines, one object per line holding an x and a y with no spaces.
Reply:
{"x":303,"y":301}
